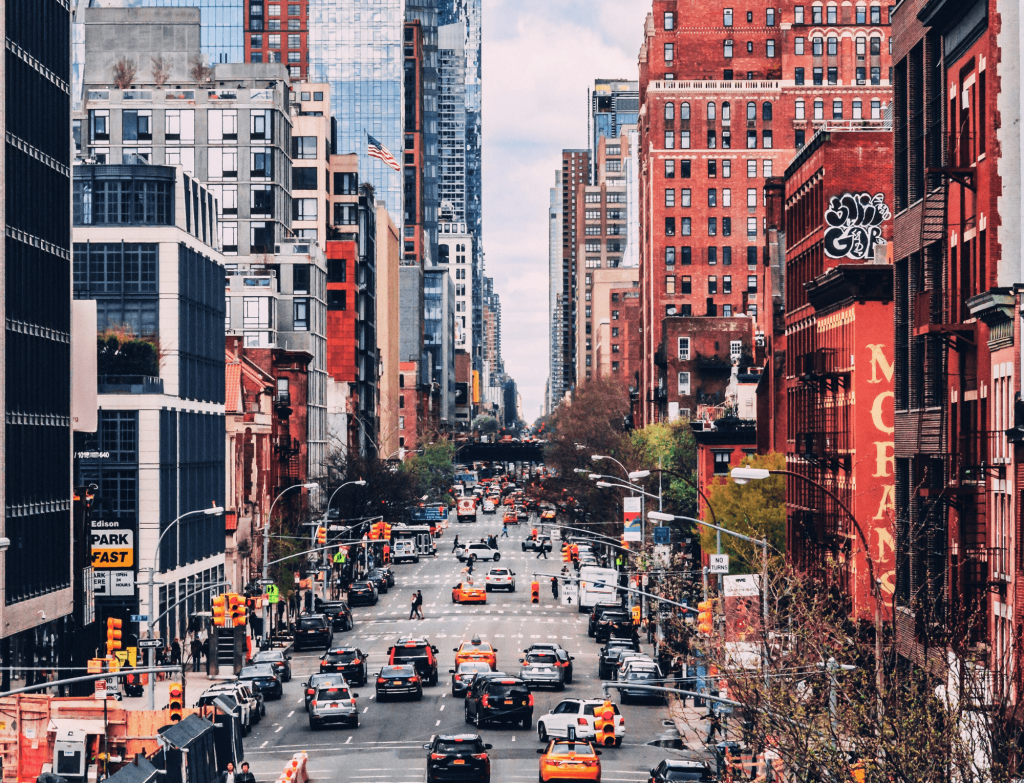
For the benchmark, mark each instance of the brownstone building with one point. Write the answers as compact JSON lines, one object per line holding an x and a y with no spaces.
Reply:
{"x":727,"y":97}
{"x":276,"y":32}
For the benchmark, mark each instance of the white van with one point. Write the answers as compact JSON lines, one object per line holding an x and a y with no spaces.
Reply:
{"x":405,"y":549}
{"x":597,"y":586}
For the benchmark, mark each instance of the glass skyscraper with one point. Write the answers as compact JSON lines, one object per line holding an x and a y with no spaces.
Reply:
{"x":356,"y":47}
{"x":222,"y":25}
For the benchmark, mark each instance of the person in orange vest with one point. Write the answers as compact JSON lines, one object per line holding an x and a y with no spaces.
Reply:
{"x":533,"y":534}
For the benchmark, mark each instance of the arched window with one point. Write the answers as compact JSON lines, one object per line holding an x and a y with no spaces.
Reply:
{"x":766,"y":111}
{"x":726,"y":113}
{"x":670,"y":111}
{"x":711,"y":110}
{"x":684,"y":111}
{"x":751,"y":111}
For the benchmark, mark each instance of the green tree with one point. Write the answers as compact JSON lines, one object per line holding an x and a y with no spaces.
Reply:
{"x":756,"y":509}
{"x":485,"y":424}
{"x":671,"y":447}
{"x":432,"y":473}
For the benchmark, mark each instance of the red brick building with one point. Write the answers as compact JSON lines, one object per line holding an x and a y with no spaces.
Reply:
{"x":727,"y":96}
{"x":720,"y":449}
{"x":276,"y":32}
{"x":957,"y":253}
{"x":838,"y":372}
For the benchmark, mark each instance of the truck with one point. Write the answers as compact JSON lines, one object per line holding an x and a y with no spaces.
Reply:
{"x":466,"y":510}
{"x":597,"y":586}
{"x":411,"y":542}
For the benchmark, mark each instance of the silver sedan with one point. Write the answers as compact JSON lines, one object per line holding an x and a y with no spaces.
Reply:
{"x":540,"y":670}
{"x":333,"y":704}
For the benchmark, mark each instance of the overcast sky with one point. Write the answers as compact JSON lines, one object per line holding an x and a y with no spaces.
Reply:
{"x":539,"y":56}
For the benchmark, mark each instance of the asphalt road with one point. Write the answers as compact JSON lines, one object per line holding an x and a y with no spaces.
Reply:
{"x":387,"y":747}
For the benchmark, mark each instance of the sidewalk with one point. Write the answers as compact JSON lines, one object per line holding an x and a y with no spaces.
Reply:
{"x":194,"y":684}
{"x":692,"y":724}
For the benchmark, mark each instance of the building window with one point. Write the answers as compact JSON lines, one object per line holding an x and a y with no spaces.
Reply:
{"x":670,"y":111}
{"x":876,"y":14}
{"x":669,"y":52}
{"x":837,"y":109}
{"x":727,"y":310}
{"x":770,"y":47}
{"x":816,"y":14}
{"x":799,"y":112}
{"x":670,"y":197}
{"x":304,"y":147}
{"x":751,"y":284}
{"x":818,"y":76}
{"x":684,"y":197}
{"x":727,"y":52}
{"x":615,"y":315}
{"x":727,"y":227}
{"x":670,"y":227}
{"x":712,"y":227}
{"x":300,"y":322}
{"x":669,"y":21}
{"x":722,"y":462}
{"x":670,"y":284}
{"x":751,"y":228}
{"x":876,"y":76}
{"x":712,"y":197}
{"x":751,"y":169}
{"x":685,"y":255}
{"x":684,"y":349}
{"x":684,"y":227}
{"x":685,"y":284}
{"x":876,"y":110}
{"x":670,"y":169}
{"x":727,"y":17}
{"x":819,"y":109}
{"x":304,"y":208}
{"x":833,"y":46}
{"x":798,"y":15}
{"x":713,"y":284}
{"x":798,"y":45}
{"x":766,"y":167}
{"x":670,"y":140}
{"x":670,"y":256}
{"x":798,"y":76}
{"x":726,"y":283}
{"x":684,"y":384}
{"x":684,"y":139}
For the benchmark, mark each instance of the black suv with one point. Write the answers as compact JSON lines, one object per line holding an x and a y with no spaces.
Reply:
{"x":350,"y":662}
{"x":617,"y":623}
{"x":313,"y":631}
{"x":608,"y":661}
{"x":595,"y":615}
{"x":339,"y":614}
{"x":458,"y":757}
{"x":379,"y":578}
{"x":498,"y":698}
{"x":419,"y":653}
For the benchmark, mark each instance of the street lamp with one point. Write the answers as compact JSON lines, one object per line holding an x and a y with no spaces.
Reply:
{"x":599,"y":457}
{"x":266,"y":548}
{"x":154,"y":569}
{"x":327,"y":511}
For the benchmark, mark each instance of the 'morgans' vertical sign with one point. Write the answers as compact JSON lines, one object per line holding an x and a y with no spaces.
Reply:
{"x":881,"y":499}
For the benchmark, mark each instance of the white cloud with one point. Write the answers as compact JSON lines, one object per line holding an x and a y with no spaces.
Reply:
{"x":539,"y":57}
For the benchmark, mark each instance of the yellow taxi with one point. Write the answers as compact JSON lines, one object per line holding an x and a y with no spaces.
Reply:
{"x":548,"y":513}
{"x":476,"y":650}
{"x":510,"y":518}
{"x":569,"y":759}
{"x":468,"y":593}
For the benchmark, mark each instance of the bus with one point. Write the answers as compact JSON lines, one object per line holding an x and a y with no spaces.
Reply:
{"x":597,"y":586}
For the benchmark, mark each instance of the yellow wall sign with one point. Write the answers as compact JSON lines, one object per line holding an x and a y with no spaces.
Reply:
{"x":113,"y":548}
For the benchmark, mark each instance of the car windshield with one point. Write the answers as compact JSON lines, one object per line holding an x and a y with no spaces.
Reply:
{"x":397,"y":671}
{"x":686,"y":774}
{"x":331,"y":694}
{"x":614,"y":616}
{"x":543,"y":658}
{"x":256,"y":671}
{"x":341,"y":656}
{"x":319,"y":679}
{"x":588,"y":709}
{"x":359,"y":586}
{"x":640,"y":675}
{"x":458,"y":746}
{"x":271,"y":656}
{"x":472,"y":667}
{"x":565,"y":748}
{"x":310,"y":623}
{"x":471,"y":646}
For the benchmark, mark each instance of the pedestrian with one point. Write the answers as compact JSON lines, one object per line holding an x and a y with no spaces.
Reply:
{"x":176,"y":651}
{"x":554,"y":587}
{"x":419,"y":604}
{"x":469,"y":567}
{"x":542,"y":551}
{"x":245,"y":776}
{"x":204,"y":648}
{"x":504,"y":529}
{"x":455,"y":544}
{"x":412,"y":607}
{"x":195,"y":648}
{"x":228,"y":775}
{"x":714,"y":725}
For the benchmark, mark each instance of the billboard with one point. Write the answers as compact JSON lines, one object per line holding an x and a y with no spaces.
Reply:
{"x":112,"y":547}
{"x":632,"y":519}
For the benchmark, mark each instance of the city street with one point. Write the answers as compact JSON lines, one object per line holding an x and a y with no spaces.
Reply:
{"x":387,"y":746}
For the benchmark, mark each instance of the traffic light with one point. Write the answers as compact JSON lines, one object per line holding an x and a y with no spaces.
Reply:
{"x":220,"y":611}
{"x":624,"y":543}
{"x":177,"y":701}
{"x":374,"y":532}
{"x":238,"y":612}
{"x":387,"y":531}
{"x":321,"y":535}
{"x":534,"y":592}
{"x":635,"y":613}
{"x":604,"y":724}
{"x":566,"y":553}
{"x":113,"y":635}
{"x":705,"y":618}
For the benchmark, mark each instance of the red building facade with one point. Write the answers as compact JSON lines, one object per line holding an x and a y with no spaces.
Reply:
{"x":839,"y":361}
{"x":727,"y":98}
{"x":276,"y":32}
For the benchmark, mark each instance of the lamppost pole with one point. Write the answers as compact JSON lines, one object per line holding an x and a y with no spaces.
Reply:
{"x":154,"y":569}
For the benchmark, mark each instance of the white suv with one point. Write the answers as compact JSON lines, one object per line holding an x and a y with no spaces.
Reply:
{"x":505,"y":578}
{"x":578,"y":713}
{"x":477,"y":551}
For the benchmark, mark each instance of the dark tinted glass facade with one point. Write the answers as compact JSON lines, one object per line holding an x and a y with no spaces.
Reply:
{"x":200,"y":327}
{"x":37,"y":296}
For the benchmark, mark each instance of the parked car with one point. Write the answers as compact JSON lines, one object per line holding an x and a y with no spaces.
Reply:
{"x":262,"y":679}
{"x":595,"y":615}
{"x":614,"y":622}
{"x":282,"y":663}
{"x":682,"y":769}
{"x":640,"y":673}
{"x":608,"y":660}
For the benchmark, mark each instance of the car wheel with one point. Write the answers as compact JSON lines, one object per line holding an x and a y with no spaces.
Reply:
{"x":561,"y":686}
{"x":513,"y":588}
{"x":380,"y":697}
{"x":419,"y":696}
{"x":568,"y":677}
{"x":468,"y":719}
{"x":527,"y":722}
{"x":524,"y":547}
{"x":313,"y":725}
{"x":497,"y":556}
{"x":487,"y":588}
{"x":618,"y":742}
{"x":601,"y":673}
{"x":355,"y":723}
{"x":542,"y":732}
{"x":453,"y":599}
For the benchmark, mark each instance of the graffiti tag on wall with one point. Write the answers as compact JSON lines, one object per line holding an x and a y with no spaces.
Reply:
{"x":854,"y":223}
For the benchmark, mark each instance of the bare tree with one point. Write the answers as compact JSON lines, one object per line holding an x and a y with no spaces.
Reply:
{"x":200,"y":71}
{"x":161,"y":70}
{"x":123,"y":72}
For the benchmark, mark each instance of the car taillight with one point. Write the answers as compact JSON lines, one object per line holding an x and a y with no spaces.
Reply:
{"x":414,"y":678}
{"x":381,"y":681}
{"x":480,"y":756}
{"x":485,"y":702}
{"x":312,"y":703}
{"x":530,"y":702}
{"x":437,"y":756}
{"x":356,"y":662}
{"x":309,"y":691}
{"x":581,"y":721}
{"x":590,"y":762}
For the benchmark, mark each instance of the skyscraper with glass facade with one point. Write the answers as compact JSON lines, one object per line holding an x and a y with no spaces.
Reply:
{"x":223,"y":26}
{"x":356,"y":46}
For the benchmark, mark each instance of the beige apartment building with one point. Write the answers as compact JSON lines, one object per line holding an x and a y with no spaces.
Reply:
{"x":311,"y":157}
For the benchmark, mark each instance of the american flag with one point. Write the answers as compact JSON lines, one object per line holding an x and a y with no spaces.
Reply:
{"x":377,"y":150}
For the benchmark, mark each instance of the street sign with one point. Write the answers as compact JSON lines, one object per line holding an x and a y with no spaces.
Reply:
{"x":264,"y":582}
{"x":145,"y":644}
{"x":140,"y":618}
{"x":718,"y":564}
{"x":662,"y":535}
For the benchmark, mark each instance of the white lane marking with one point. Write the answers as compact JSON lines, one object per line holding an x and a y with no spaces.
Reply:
{"x":442,"y":708}
{"x":365,"y":709}
{"x":348,"y":740}
{"x":265,"y":743}
{"x":291,"y":713}
{"x":278,"y":729}
{"x":300,"y":700}
{"x":513,"y":737}
{"x":438,"y":723}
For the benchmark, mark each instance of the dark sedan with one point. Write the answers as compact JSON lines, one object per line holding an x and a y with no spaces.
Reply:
{"x":399,"y":681}
{"x":339,"y":614}
{"x":276,"y":658}
{"x":463,"y":676}
{"x":350,"y":662}
{"x":379,"y":578}
{"x":458,"y":757}
{"x":313,"y":631}
{"x":362,"y":594}
{"x":262,"y":679}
